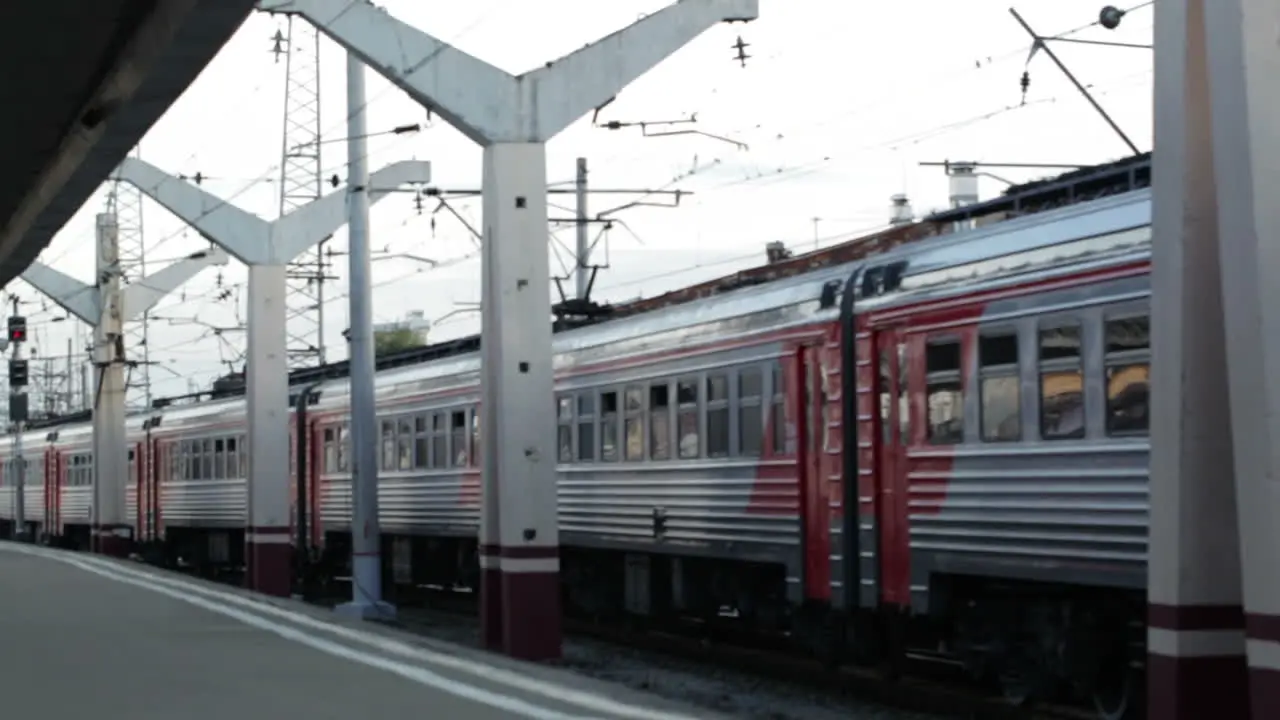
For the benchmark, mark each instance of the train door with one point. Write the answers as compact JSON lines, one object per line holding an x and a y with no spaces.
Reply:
{"x":815,"y":503}
{"x":52,"y":493}
{"x":315,"y":466}
{"x":139,"y":470}
{"x":293,"y":477}
{"x":134,"y":464}
{"x":888,"y":491}
{"x":157,"y":460}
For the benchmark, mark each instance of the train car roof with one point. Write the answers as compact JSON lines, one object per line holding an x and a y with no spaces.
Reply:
{"x":984,"y":257}
{"x":913,"y":260}
{"x":933,"y":257}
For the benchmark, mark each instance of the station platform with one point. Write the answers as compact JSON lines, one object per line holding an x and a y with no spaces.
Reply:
{"x":85,"y":636}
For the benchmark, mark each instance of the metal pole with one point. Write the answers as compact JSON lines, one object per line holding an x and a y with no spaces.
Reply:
{"x":19,"y":463}
{"x":366,"y":537}
{"x":583,"y":250}
{"x":71,"y":383}
{"x":86,"y":385}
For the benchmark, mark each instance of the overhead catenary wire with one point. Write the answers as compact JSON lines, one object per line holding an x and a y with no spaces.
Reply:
{"x":716,"y":184}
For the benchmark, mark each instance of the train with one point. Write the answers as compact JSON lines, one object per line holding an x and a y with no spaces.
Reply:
{"x":936,"y":450}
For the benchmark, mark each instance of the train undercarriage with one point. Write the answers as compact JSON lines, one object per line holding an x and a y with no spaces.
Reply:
{"x":1031,"y":642}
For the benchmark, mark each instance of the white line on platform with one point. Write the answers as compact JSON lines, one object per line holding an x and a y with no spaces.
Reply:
{"x":191,"y":592}
{"x":404,"y":670}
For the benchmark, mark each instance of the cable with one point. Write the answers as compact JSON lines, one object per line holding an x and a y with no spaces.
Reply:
{"x":980,"y":65}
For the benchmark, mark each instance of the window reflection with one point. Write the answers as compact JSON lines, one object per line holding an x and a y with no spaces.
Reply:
{"x":1128,"y":399}
{"x":1061,"y":404}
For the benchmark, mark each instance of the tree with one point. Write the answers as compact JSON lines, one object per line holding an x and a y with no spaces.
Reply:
{"x":393,"y":341}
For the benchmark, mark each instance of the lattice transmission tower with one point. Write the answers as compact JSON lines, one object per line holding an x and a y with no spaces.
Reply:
{"x":125,"y":202}
{"x":301,"y":182}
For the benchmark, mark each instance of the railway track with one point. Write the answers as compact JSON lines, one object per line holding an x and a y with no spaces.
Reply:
{"x":928,"y":685}
{"x":924,"y":689}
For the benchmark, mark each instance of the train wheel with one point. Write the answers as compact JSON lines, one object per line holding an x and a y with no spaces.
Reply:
{"x":1016,"y":686}
{"x":1113,"y":695}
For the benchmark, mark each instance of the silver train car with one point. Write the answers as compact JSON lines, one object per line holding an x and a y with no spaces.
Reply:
{"x":941,"y":446}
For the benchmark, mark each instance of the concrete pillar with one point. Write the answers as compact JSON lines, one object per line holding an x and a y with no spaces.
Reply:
{"x":266,"y":247}
{"x":1243,"y":64}
{"x":268,"y":538}
{"x":512,"y":118}
{"x":520,"y":592}
{"x":109,"y":526}
{"x":106,"y":307}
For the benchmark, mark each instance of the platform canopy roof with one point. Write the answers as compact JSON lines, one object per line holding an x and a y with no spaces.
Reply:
{"x":81,"y":81}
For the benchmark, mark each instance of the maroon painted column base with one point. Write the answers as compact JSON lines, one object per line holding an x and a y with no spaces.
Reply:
{"x":520,"y":601}
{"x":106,"y":542}
{"x":491,"y":605}
{"x":1264,"y":690}
{"x":1196,"y":688}
{"x":268,"y":558}
{"x":531,"y":618}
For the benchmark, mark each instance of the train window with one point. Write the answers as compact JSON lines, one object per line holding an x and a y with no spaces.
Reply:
{"x":219,"y":459}
{"x":687,"y":418}
{"x":1062,"y":413}
{"x":421,"y":442}
{"x":330,"y":451}
{"x":904,"y":396}
{"x":750,"y":411}
{"x":458,"y":438}
{"x":564,"y":430}
{"x":388,"y":445}
{"x":660,"y":421}
{"x":586,"y":426}
{"x":635,"y":399}
{"x":233,"y":458}
{"x":1128,"y":362}
{"x":1060,"y":343}
{"x":344,"y":448}
{"x":206,"y":459}
{"x":999,"y":385}
{"x":439,"y":442}
{"x":885,"y":387}
{"x":564,"y":441}
{"x":475,"y":437}
{"x":609,"y":426}
{"x":717,"y":388}
{"x":404,"y":443}
{"x":944,"y":394}
{"x":242,"y":455}
{"x":633,"y":424}
{"x":717,"y":415}
{"x":778,"y":417}
{"x":193,"y":460}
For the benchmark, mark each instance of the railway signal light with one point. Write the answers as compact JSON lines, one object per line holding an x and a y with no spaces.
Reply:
{"x":17,"y":373}
{"x":18,"y":408}
{"x":17,"y":329}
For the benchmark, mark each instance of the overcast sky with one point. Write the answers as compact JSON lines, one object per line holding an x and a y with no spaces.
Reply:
{"x":839,"y":104}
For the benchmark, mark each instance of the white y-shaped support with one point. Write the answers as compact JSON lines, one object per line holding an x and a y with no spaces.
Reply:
{"x":106,"y":308}
{"x":266,"y":247}
{"x":513,"y":117}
